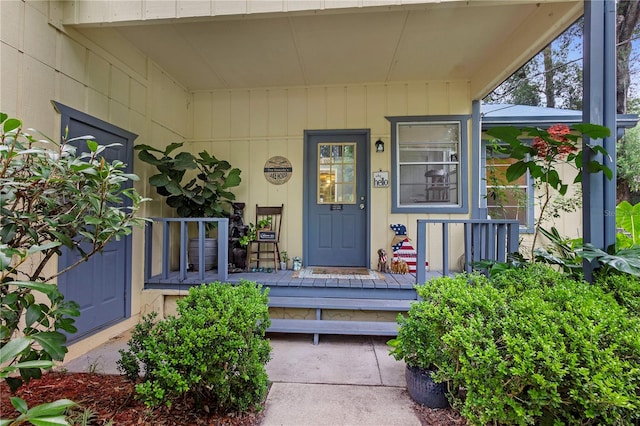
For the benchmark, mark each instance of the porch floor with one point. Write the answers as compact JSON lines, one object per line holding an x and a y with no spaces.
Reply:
{"x":286,"y":283}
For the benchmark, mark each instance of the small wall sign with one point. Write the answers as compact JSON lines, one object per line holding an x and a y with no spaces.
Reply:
{"x":380,"y":179}
{"x":278,"y":170}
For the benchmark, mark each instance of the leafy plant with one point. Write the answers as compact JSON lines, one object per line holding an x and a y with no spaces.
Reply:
{"x":285,"y":256}
{"x":628,"y":219}
{"x":205,"y":195}
{"x":563,"y":252}
{"x":50,"y":197}
{"x":214,"y":351}
{"x":551,"y":147}
{"x":252,"y":231}
{"x":625,"y":260}
{"x":530,"y":346}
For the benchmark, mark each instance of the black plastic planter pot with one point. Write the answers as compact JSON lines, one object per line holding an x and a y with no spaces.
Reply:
{"x":424,"y":390}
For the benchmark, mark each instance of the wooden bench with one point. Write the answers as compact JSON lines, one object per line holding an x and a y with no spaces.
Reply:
{"x":322,"y":326}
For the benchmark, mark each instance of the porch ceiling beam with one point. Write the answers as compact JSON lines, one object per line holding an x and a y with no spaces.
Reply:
{"x":599,"y":193}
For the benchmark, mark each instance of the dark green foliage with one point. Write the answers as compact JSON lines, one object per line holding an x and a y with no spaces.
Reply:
{"x":625,"y":289}
{"x":530,"y":346}
{"x":214,"y":351}
{"x":205,"y":195}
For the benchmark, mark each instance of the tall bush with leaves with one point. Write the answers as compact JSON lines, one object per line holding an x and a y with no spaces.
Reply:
{"x":529,"y":346}
{"x":51,"y":197}
{"x":215,"y":350}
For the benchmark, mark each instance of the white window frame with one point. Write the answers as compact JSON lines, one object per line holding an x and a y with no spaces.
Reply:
{"x":462,"y":163}
{"x":526,"y":228}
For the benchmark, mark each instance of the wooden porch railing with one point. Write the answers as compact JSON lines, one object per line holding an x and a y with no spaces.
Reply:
{"x":484,"y":239}
{"x":183,"y":238}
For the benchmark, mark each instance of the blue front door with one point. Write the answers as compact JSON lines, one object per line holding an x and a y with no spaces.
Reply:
{"x":336,"y":198}
{"x":102,"y":285}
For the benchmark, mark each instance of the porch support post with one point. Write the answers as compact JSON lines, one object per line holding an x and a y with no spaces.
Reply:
{"x":477,"y":212}
{"x":421,"y":252}
{"x":598,"y":192}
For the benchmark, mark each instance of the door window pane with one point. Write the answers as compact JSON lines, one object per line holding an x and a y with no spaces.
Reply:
{"x":336,"y":173}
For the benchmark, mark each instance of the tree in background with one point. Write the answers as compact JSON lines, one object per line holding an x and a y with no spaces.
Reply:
{"x":553,"y":79}
{"x":628,"y":147}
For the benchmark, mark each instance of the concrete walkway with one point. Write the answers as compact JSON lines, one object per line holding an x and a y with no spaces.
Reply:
{"x":345,"y":380}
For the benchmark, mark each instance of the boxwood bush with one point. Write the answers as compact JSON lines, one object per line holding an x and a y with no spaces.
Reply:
{"x":214,"y":351}
{"x":531,"y":346}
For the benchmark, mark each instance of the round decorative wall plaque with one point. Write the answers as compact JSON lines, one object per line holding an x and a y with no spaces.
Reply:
{"x":277,"y":170}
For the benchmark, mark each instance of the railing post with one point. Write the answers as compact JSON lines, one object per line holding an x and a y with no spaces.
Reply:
{"x":223,"y":249}
{"x":445,"y":249}
{"x":467,"y":246}
{"x":421,"y":252}
{"x":514,"y":237}
{"x":165,"y":248}
{"x":201,"y":259}
{"x":183,"y":250}
{"x":490,"y":250}
{"x":501,"y":254}
{"x":148,"y":249}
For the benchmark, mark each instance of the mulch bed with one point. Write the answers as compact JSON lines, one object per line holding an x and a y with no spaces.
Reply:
{"x":111,"y":400}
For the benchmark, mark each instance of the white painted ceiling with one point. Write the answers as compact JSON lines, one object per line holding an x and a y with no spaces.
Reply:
{"x":448,"y":41}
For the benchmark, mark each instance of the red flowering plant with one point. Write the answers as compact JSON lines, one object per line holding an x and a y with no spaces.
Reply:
{"x":559,"y":144}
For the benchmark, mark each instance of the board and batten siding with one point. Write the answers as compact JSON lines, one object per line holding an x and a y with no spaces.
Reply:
{"x":247,"y":127}
{"x":107,"y":79}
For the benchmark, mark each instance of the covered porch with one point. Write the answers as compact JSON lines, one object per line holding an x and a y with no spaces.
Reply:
{"x":324,"y":303}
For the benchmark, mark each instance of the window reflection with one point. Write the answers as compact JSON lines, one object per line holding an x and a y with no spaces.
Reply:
{"x":336,"y":173}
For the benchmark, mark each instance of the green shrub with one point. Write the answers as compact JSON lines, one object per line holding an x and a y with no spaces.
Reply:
{"x":531,"y":346}
{"x":624,"y":287}
{"x":214,"y":352}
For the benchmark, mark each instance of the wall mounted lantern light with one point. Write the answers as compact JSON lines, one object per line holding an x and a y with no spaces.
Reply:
{"x":379,"y":146}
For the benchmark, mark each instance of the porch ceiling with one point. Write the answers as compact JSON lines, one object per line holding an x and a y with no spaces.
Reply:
{"x":479,"y":41}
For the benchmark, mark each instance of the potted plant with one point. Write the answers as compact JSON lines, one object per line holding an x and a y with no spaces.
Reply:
{"x":418,"y":344}
{"x":252,"y":231}
{"x":194,"y":187}
{"x":285,"y":259}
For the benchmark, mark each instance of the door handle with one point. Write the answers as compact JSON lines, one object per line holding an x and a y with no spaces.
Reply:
{"x":361,"y":206}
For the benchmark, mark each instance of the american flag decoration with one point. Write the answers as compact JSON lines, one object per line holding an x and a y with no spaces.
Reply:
{"x":402,"y":247}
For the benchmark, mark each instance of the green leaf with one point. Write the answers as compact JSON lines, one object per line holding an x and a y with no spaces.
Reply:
{"x":593,"y":131}
{"x":65,"y":240}
{"x":33,"y":315}
{"x":3,"y":116}
{"x":516,"y":170}
{"x":50,"y":421}
{"x":5,"y":422}
{"x":43,"y":247}
{"x":149,"y":158}
{"x":51,"y":408}
{"x":184,"y":161}
{"x":53,"y":343}
{"x":14,"y":348}
{"x":93,"y":145}
{"x":45,"y":288}
{"x":505,"y":133}
{"x":19,"y":404}
{"x":628,"y":218}
{"x":159,"y":180}
{"x":11,"y":124}
{"x":233,"y":178}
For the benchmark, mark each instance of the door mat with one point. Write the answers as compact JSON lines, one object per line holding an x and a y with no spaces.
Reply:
{"x":337,"y":273}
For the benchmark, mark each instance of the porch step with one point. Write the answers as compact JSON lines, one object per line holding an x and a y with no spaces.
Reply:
{"x":340,"y":303}
{"x":320,"y":326}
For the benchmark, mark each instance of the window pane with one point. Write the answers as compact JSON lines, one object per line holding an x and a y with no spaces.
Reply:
{"x":336,"y":173}
{"x":428,"y":184}
{"x":428,"y":160}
